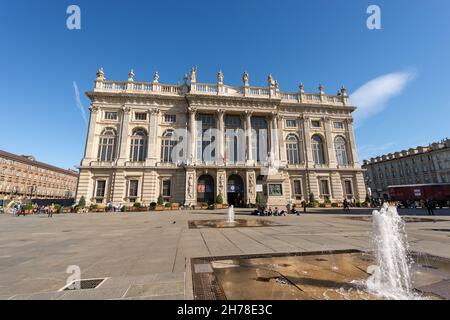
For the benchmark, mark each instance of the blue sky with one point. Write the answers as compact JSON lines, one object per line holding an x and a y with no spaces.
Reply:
{"x":310,"y":41}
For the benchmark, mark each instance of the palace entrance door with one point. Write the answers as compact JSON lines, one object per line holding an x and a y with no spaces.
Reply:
{"x":235,"y":191}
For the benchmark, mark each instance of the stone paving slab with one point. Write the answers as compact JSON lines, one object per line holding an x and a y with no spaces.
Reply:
{"x":147,"y":255}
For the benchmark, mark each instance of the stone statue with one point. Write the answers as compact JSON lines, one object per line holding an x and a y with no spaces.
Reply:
{"x":220,"y":77}
{"x":100,"y":74}
{"x":131,"y":76}
{"x":245,"y":78}
{"x":156,"y":77}
{"x":194,"y":74}
{"x":270,"y":80}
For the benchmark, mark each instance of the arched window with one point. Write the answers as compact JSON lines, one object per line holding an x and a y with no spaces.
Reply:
{"x":341,"y":151}
{"x":293,"y":149}
{"x":107,"y":145}
{"x":317,"y":149}
{"x":138,"y":150}
{"x":167,"y":145}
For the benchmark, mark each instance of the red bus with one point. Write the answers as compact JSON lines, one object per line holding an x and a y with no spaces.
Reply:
{"x":439,"y":192}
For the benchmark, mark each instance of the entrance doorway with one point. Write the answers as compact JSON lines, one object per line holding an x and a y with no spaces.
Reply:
{"x":235,"y":191}
{"x":205,"y":189}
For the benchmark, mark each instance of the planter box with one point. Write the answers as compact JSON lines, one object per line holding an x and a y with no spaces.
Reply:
{"x":167,"y":208}
{"x":175,"y":206}
{"x":159,"y":208}
{"x":327,"y":205}
{"x":219,"y":206}
{"x":197,"y":207}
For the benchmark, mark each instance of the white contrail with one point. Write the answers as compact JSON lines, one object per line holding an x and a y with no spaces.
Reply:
{"x":374,"y":96}
{"x":79,"y":104}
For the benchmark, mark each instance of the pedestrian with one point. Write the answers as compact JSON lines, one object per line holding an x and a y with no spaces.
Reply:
{"x":304,"y":206}
{"x":50,"y":211}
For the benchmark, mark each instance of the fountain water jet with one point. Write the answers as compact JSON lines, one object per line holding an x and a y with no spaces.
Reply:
{"x":231,"y":216}
{"x":391,"y":278}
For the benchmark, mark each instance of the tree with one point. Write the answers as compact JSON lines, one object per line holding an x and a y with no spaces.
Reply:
{"x":258,"y":198}
{"x":219,"y":199}
{"x":82,"y":202}
{"x":311,"y":198}
{"x":160,"y":200}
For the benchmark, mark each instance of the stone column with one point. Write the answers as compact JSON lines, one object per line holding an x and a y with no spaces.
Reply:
{"x":193,"y":136}
{"x":248,"y":133}
{"x":124,"y":152}
{"x":281,"y":145}
{"x":353,"y":153}
{"x":221,"y":138}
{"x":332,"y":162}
{"x":152,"y":154}
{"x":275,"y":147}
{"x":221,"y":185}
{"x":251,"y":187}
{"x":191,"y":185}
{"x":89,"y":151}
{"x":307,"y":143}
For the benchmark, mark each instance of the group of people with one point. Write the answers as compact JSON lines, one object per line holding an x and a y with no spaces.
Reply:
{"x":19,"y":209}
{"x":112,"y":208}
{"x":265,"y":211}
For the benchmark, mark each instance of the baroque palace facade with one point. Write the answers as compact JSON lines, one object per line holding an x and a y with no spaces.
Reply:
{"x":294,"y":144}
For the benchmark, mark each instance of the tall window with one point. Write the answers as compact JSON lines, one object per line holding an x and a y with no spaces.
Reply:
{"x":133,"y":190}
{"x":167,"y":145}
{"x":317,"y":149}
{"x":107,"y":145}
{"x":166,"y":192}
{"x":341,"y":151}
{"x":298,"y":189}
{"x":324,"y":188}
{"x":259,"y":139}
{"x":138,"y":150}
{"x":100,"y":191}
{"x":109,"y":115}
{"x":348,"y":189}
{"x":205,"y":137}
{"x":293,"y":149}
{"x":233,"y":141}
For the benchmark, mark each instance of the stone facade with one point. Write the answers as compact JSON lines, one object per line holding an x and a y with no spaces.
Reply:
{"x":309,"y":140}
{"x":22,"y":177}
{"x":421,"y":165}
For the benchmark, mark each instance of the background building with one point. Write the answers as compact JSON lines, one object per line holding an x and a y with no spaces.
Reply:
{"x":421,"y":165}
{"x":22,"y":177}
{"x":130,"y":139}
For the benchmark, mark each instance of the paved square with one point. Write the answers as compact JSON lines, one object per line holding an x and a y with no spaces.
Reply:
{"x":147,"y":255}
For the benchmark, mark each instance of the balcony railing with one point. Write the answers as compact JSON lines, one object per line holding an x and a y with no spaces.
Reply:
{"x":220,"y":90}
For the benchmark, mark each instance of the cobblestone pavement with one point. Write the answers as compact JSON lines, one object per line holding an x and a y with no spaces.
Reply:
{"x":147,"y":255}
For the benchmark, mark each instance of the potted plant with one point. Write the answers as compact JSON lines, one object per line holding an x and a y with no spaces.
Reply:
{"x":153,"y":206}
{"x":198,"y":206}
{"x":57,"y":208}
{"x":219,"y":202}
{"x":28,"y":209}
{"x":137,"y":207}
{"x":168,"y":206}
{"x":82,"y":203}
{"x":327,"y":202}
{"x":160,"y":205}
{"x":175,"y":206}
{"x":313,"y":203}
{"x":205,"y":205}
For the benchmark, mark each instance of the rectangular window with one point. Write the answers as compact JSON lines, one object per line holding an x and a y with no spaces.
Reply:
{"x":170,"y":118}
{"x":166,"y":190}
{"x":133,"y":190}
{"x":315,"y":124}
{"x":339,"y":125}
{"x":100,"y":192}
{"x":348,"y":188}
{"x":324,"y":190}
{"x":110,"y":115}
{"x":275,"y":190}
{"x":298,"y":189}
{"x":141,"y":116}
{"x":291,"y":123}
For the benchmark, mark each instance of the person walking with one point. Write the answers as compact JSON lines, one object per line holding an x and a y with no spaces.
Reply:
{"x":50,"y":211}
{"x":305,"y":206}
